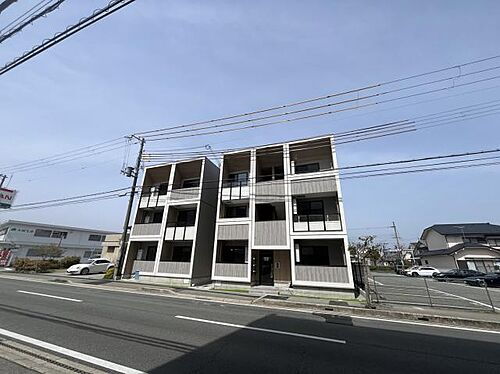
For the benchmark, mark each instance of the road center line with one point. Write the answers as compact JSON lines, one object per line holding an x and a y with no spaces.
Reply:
{"x":462,"y":297}
{"x":68,"y":352}
{"x":263,"y":330}
{"x":51,"y":296}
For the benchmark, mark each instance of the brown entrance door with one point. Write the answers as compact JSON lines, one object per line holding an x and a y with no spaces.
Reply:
{"x":266,"y":276}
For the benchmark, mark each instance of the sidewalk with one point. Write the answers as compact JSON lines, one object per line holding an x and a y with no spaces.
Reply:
{"x":318,"y":306}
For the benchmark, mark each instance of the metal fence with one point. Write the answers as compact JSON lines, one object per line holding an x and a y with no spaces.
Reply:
{"x":394,"y":289}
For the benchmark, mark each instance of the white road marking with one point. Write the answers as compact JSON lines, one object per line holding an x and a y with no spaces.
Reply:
{"x":68,"y":352}
{"x":263,"y":330}
{"x":463,"y":298}
{"x":377,"y":282}
{"x":428,"y":324}
{"x":52,"y":296}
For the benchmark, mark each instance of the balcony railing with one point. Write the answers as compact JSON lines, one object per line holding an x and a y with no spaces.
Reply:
{"x":174,"y":267}
{"x":143,"y":266}
{"x":185,"y":193}
{"x":323,"y":274}
{"x":152,"y":200}
{"x":179,"y":231}
{"x":317,"y":222}
{"x":230,"y":270}
{"x":235,"y":190}
{"x":144,"y":229}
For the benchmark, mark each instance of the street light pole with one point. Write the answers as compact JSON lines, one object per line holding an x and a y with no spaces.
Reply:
{"x":123,"y":246}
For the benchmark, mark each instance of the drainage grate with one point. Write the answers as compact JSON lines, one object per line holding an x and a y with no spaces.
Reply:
{"x":44,"y":358}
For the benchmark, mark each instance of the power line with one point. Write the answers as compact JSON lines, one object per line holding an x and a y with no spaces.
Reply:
{"x":26,"y":14}
{"x":14,"y":30}
{"x":5,"y":4}
{"x":85,"y":22}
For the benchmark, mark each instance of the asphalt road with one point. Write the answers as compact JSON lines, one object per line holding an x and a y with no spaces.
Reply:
{"x":399,"y":288}
{"x":165,"y":335}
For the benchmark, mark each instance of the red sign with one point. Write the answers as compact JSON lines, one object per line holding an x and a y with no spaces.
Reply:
{"x":5,"y":256}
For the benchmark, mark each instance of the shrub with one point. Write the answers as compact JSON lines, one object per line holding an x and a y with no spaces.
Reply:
{"x":66,"y":262}
{"x":39,"y":266}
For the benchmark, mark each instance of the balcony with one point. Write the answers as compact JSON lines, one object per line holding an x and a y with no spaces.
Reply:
{"x":179,"y":231}
{"x":270,"y":233}
{"x":145,"y":229}
{"x":270,"y":191}
{"x":231,"y":270}
{"x":190,"y":193}
{"x":316,"y":222}
{"x":235,"y":190}
{"x":174,"y":267}
{"x":152,"y":200}
{"x":321,"y":274}
{"x":143,"y":266}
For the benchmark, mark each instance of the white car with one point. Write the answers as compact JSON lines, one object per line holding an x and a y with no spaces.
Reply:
{"x":91,"y":266}
{"x":421,"y":271}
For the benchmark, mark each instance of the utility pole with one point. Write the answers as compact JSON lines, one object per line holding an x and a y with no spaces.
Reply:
{"x":398,"y":244}
{"x":2,"y":179}
{"x":135,"y":174}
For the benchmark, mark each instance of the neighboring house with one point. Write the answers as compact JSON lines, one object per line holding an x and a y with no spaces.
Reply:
{"x":26,"y":239}
{"x":173,"y":231}
{"x":111,"y":247}
{"x":473,"y":246}
{"x":280,"y":218}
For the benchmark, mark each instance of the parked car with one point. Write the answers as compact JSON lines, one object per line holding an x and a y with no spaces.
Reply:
{"x":91,"y":266}
{"x":491,"y":280}
{"x":422,"y":271}
{"x":457,"y":274}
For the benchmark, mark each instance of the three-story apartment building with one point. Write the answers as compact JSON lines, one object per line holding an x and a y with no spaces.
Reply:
{"x":280,"y":218}
{"x":173,"y":230}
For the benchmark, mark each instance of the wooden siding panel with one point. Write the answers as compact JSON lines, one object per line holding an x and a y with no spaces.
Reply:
{"x":270,"y":233}
{"x":233,"y":232}
{"x":326,"y":274}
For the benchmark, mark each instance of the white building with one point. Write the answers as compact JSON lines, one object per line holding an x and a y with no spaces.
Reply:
{"x":474,"y":246}
{"x":280,"y":218}
{"x":25,"y":239}
{"x":173,"y":231}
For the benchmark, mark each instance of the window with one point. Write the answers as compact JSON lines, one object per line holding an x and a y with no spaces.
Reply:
{"x":189,"y":183}
{"x":181,"y":254}
{"x":162,"y":189}
{"x":238,"y":179}
{"x":186,"y":217}
{"x":232,"y":254}
{"x":310,"y":207}
{"x":111,"y":249}
{"x":100,"y":262}
{"x":314,"y":256}
{"x":43,"y":233}
{"x":236,"y":211}
{"x":492,"y":242}
{"x":96,"y":238}
{"x":271,"y":173}
{"x":474,"y":240}
{"x":307,"y":168}
{"x":59,"y":234}
{"x":152,"y":217}
{"x":34,"y":252}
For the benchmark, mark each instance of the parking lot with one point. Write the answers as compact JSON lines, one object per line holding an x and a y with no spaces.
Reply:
{"x":399,"y":289}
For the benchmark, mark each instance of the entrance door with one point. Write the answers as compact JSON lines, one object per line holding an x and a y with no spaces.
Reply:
{"x":266,"y":268}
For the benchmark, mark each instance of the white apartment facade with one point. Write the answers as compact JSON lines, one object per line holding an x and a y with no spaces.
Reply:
{"x":26,"y":239}
{"x":280,"y":218}
{"x":172,"y":233}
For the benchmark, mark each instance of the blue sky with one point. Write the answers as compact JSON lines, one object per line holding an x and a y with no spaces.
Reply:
{"x":160,"y":63}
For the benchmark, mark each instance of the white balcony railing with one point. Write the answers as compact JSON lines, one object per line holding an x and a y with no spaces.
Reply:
{"x":323,"y":274}
{"x":173,"y":267}
{"x":145,"y":229}
{"x":231,"y":270}
{"x":175,"y":232}
{"x":152,"y":200}
{"x":316,"y":222}
{"x":235,"y":190}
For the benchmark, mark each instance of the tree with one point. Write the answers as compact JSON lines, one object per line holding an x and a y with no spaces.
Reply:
{"x":50,"y":251}
{"x":367,"y":249}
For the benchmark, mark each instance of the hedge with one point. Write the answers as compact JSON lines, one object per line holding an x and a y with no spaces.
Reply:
{"x":43,"y":266}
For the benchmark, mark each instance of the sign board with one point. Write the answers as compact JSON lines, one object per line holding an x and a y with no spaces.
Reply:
{"x":5,"y":257}
{"x":6,"y":198}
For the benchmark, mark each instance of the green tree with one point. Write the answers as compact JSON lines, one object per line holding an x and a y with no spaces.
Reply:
{"x":50,"y":251}
{"x":366,"y":248}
